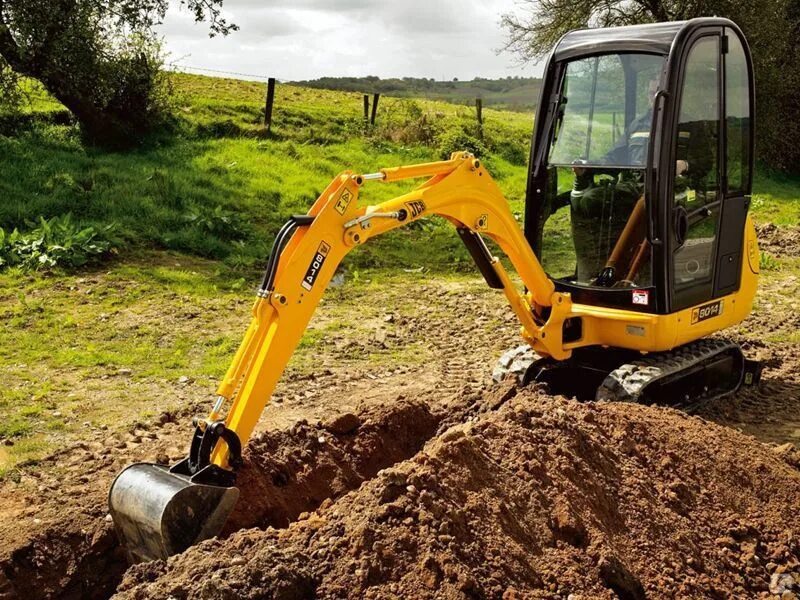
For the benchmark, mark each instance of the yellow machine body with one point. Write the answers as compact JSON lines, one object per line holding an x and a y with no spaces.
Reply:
{"x":462,"y":191}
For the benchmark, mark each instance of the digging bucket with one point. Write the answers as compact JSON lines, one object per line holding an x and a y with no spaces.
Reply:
{"x":158,"y":511}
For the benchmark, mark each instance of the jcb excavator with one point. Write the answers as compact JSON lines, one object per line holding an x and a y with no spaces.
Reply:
{"x":637,"y":245}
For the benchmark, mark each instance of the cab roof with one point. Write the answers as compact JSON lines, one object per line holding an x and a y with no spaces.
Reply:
{"x":652,"y":38}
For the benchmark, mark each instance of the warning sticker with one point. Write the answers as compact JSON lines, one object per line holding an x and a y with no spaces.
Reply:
{"x":316,"y":265}
{"x":641,"y":297}
{"x":343,"y":202}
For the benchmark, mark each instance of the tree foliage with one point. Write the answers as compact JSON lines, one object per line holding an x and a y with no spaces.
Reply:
{"x":772,"y":28}
{"x":100,"y":58}
{"x":10,"y":91}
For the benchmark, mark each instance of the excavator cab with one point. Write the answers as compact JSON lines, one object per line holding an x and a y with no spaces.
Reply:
{"x":636,"y":247}
{"x":641,"y":165}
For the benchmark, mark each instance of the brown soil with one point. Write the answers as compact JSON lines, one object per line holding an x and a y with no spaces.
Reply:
{"x":290,"y":472}
{"x":541,"y":499}
{"x":59,"y":542}
{"x":770,"y":411}
{"x":67,"y":548}
{"x":779,"y":241}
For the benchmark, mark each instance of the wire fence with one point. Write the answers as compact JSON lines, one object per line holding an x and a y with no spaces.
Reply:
{"x":181,"y":68}
{"x":370,"y":104}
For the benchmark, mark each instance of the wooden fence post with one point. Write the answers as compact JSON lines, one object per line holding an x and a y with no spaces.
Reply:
{"x":270,"y":102}
{"x":375,"y":98}
{"x":613,"y":128}
{"x":479,"y":112}
{"x":366,"y":109}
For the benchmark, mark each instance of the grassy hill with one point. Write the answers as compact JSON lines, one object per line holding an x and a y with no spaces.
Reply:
{"x":510,"y":93}
{"x":218,"y":186}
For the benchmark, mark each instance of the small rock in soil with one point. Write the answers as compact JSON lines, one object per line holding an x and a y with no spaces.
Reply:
{"x":780,"y":583}
{"x":343,"y":424}
{"x":784,"y":449}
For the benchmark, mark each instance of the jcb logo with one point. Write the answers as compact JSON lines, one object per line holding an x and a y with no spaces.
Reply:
{"x":343,"y":202}
{"x":316,"y":265}
{"x":415,"y":208}
{"x":707,"y":311}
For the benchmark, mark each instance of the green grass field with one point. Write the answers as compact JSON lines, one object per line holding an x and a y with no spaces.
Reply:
{"x":219,"y":187}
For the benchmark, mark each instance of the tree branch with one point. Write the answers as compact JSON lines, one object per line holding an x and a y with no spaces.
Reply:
{"x":9,"y":49}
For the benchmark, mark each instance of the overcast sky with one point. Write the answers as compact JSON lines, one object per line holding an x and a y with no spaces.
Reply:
{"x":306,"y":39}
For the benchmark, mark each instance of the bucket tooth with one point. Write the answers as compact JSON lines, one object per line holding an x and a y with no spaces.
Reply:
{"x":158,"y":512}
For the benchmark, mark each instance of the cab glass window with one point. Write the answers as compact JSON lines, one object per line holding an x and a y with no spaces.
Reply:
{"x":605,"y":110}
{"x":737,"y":116}
{"x":594,"y":222}
{"x":696,"y":169}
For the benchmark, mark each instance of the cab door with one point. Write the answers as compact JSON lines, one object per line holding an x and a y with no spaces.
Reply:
{"x":696,"y":195}
{"x":737,"y":161}
{"x":712,"y":168}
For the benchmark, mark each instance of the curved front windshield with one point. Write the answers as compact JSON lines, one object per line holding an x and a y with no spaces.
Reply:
{"x":594,"y":220}
{"x":606,"y":110}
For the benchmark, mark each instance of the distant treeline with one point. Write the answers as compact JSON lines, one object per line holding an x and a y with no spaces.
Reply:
{"x":520,"y":93}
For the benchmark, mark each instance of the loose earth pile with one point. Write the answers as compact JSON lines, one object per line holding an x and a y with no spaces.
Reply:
{"x":541,"y":498}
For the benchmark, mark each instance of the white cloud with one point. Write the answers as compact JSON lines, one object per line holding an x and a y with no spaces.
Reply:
{"x":306,"y":39}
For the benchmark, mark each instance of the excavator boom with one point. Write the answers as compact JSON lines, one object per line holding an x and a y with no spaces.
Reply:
{"x":160,"y":511}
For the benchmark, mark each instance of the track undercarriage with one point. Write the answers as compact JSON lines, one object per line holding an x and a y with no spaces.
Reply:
{"x":684,"y":377}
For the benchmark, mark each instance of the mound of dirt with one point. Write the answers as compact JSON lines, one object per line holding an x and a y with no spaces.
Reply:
{"x":780,"y":241}
{"x":543,"y":498}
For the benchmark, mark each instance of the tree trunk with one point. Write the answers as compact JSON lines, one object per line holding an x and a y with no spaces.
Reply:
{"x":104,"y":125}
{"x":98,"y":126}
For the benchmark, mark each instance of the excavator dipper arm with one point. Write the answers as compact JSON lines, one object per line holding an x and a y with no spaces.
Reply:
{"x":306,"y":253}
{"x":459,"y":190}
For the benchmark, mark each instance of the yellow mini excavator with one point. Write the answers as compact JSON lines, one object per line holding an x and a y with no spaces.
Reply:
{"x":637,"y":245}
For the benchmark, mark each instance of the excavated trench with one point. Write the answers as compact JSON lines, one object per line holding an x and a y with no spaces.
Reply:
{"x":291,"y":472}
{"x":287,"y":473}
{"x":543,"y":498}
